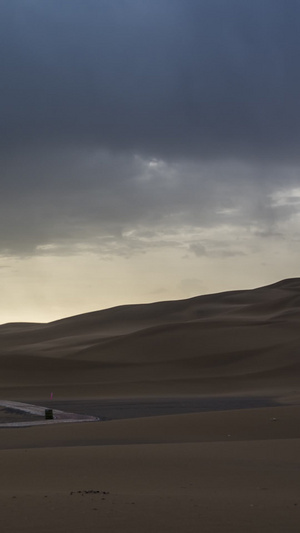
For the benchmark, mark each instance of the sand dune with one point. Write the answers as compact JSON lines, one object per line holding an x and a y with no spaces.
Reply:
{"x":228,"y":471}
{"x":228,"y":342}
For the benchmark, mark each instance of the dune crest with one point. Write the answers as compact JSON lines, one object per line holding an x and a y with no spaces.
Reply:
{"x":244,"y":340}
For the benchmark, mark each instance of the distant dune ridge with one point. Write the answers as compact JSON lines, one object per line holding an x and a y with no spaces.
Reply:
{"x":238,"y":341}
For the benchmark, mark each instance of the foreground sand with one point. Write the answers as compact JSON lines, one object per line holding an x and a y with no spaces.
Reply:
{"x":224,"y":471}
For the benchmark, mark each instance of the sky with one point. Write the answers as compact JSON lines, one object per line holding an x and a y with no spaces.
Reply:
{"x":149,"y":150}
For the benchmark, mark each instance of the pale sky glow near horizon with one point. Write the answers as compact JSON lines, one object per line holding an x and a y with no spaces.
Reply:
{"x":149,"y":151}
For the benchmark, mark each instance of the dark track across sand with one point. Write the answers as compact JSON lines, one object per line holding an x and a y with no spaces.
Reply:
{"x":122,"y":408}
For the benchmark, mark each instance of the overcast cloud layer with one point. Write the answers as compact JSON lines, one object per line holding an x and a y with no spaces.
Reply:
{"x":132,"y":124}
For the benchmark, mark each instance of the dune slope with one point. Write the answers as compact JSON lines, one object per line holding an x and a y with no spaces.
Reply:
{"x":237,"y":341}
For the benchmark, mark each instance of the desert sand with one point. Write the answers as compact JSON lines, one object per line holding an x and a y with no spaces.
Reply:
{"x":230,"y":470}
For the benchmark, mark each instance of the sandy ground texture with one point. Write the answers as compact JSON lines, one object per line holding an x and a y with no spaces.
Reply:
{"x":234,"y":470}
{"x":225,"y":471}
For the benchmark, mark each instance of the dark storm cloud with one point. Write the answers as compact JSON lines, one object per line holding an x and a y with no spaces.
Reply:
{"x":123,"y":121}
{"x":122,"y":204}
{"x":208,"y":78}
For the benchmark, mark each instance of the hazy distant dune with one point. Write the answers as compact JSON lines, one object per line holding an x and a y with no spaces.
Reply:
{"x":250,"y":336}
